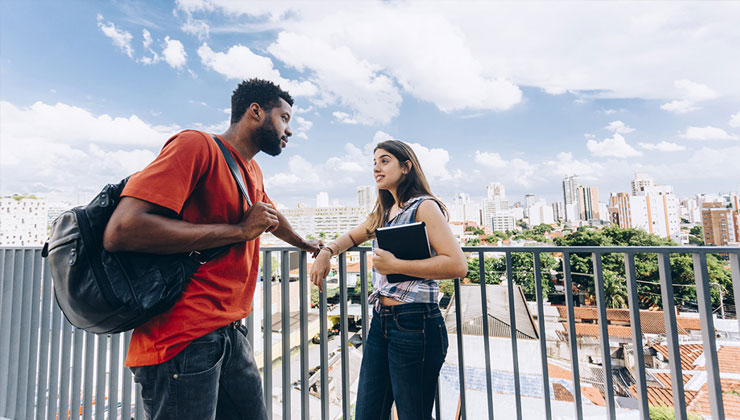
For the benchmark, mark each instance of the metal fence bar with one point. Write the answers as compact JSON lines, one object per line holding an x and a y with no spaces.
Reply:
{"x":43,"y":370}
{"x":267,"y":330}
{"x":56,"y":333}
{"x":634,"y":304}
{"x":735,"y":271}
{"x":127,"y":381}
{"x":101,"y":353}
{"x":285,"y":329}
{"x":363,"y":297}
{"x":486,"y":338}
{"x":69,"y":400}
{"x":33,"y":330}
{"x":87,"y":393}
{"x":343,"y":327}
{"x":542,"y":334}
{"x":606,"y":359}
{"x":115,"y":364}
{"x":25,"y":334}
{"x":572,"y":339}
{"x":703,"y":297}
{"x":671,"y":329}
{"x":460,"y":358}
{"x":15,"y":336}
{"x":323,"y":354}
{"x":6,"y":311}
{"x":513,"y":330}
{"x":304,"y":289}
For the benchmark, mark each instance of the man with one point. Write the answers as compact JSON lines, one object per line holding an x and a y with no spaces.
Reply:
{"x":193,"y":361}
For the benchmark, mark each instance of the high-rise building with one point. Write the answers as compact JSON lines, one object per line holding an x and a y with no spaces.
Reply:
{"x":366,"y":196}
{"x":496,"y":213}
{"x":558,"y":213}
{"x":23,"y":221}
{"x":529,"y":200}
{"x":570,"y":187}
{"x":640,"y":182}
{"x":464,"y":210}
{"x":331,"y":221}
{"x":654,"y":209}
{"x":587,"y":199}
{"x":540,"y":213}
{"x":720,"y":224}
{"x":322,"y":199}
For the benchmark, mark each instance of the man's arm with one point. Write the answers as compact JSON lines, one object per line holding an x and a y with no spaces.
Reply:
{"x":285,"y":232}
{"x":138,"y":225}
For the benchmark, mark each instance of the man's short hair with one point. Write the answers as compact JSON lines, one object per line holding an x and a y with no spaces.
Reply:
{"x":263,"y":92}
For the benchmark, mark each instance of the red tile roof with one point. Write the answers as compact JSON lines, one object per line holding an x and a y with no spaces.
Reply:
{"x":651,"y":322}
{"x":730,"y":399}
{"x":592,"y":330}
{"x":663,"y":396}
{"x":728,"y":357}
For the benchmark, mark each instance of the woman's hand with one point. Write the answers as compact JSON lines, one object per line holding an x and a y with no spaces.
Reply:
{"x":385,"y":262}
{"x":320,"y":269}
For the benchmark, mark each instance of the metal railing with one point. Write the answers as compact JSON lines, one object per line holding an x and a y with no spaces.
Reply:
{"x":49,"y":369}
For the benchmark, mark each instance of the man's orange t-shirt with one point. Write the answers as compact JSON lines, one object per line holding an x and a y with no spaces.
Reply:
{"x":191,"y":177}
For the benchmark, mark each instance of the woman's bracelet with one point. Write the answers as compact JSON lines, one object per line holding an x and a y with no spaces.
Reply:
{"x":331,"y":250}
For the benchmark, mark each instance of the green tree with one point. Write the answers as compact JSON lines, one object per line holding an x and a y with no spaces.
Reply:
{"x":472,"y":242}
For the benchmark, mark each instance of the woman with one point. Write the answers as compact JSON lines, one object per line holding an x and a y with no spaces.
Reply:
{"x":407,"y":341}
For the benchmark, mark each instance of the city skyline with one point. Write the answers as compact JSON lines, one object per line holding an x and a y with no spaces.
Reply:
{"x":480,"y":98}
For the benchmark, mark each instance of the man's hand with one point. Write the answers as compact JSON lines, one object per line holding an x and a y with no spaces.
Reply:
{"x":259,"y":218}
{"x":313,"y":246}
{"x":385,"y":262}
{"x":320,"y":269}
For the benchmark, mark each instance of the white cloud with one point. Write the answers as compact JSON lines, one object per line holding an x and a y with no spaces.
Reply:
{"x":239,"y":62}
{"x":490,"y":159}
{"x":174,"y":53}
{"x":66,"y":149}
{"x":663,"y":146}
{"x":679,"y":107}
{"x":735,"y":120}
{"x":614,"y":146}
{"x":619,"y":127}
{"x":344,"y":117}
{"x":707,"y":133}
{"x":147,"y":43}
{"x":303,"y":126}
{"x":196,"y":27}
{"x":691,"y":92}
{"x":147,"y":38}
{"x":121,"y":38}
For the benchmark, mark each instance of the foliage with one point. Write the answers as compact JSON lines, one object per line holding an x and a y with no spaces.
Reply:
{"x":522,"y":271}
{"x":447,"y":287}
{"x":662,"y":412}
{"x":646,"y":266}
{"x":697,"y":230}
{"x":473,"y":242}
{"x":542,"y":228}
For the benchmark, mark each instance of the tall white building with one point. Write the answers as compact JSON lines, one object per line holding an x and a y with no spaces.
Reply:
{"x":328,"y":220}
{"x":464,"y":210}
{"x":640,"y":182}
{"x":570,"y":198}
{"x":23,"y":221}
{"x":540,"y":213}
{"x":322,"y":199}
{"x":366,"y":196}
{"x":529,"y":200}
{"x":654,"y":209}
{"x":495,"y":208}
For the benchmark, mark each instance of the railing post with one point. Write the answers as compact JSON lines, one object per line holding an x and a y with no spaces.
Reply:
{"x":460,"y":358}
{"x":486,"y":338}
{"x":606,"y":360}
{"x":267,"y":330}
{"x":735,"y":271}
{"x":343,"y":333}
{"x":572,"y":338}
{"x":542,"y":333}
{"x":363,"y":298}
{"x":285,"y":330}
{"x":6,"y":311}
{"x":323,"y":353}
{"x":304,"y":288}
{"x":704,"y":299}
{"x":671,"y":329}
{"x":513,"y":331}
{"x":639,"y":357}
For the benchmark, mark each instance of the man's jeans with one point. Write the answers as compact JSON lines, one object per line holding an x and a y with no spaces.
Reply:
{"x":214,"y":377}
{"x":405,"y":349}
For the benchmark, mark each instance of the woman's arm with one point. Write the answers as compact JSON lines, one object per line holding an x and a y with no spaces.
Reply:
{"x":322,"y":263}
{"x":448,"y":263}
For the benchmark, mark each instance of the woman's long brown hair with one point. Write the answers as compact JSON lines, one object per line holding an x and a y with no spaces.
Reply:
{"x":413,"y":184}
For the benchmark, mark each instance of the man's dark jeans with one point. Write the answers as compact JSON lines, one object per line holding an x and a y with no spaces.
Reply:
{"x":214,"y":377}
{"x":405,"y":349}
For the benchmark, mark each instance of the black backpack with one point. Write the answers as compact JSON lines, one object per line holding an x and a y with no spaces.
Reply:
{"x":110,"y":292}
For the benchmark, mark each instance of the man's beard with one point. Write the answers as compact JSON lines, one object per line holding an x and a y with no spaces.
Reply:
{"x":268,"y":139}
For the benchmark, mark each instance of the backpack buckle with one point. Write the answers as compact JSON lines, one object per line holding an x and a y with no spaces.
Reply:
{"x":198,"y":257}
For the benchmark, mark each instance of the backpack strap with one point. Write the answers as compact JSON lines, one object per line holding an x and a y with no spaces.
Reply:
{"x":209,"y":254}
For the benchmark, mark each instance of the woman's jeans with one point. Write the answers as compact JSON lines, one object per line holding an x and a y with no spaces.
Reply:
{"x":214,"y":377}
{"x":405,"y":349}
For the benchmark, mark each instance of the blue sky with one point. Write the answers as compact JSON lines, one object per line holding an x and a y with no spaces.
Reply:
{"x":522,"y":94}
